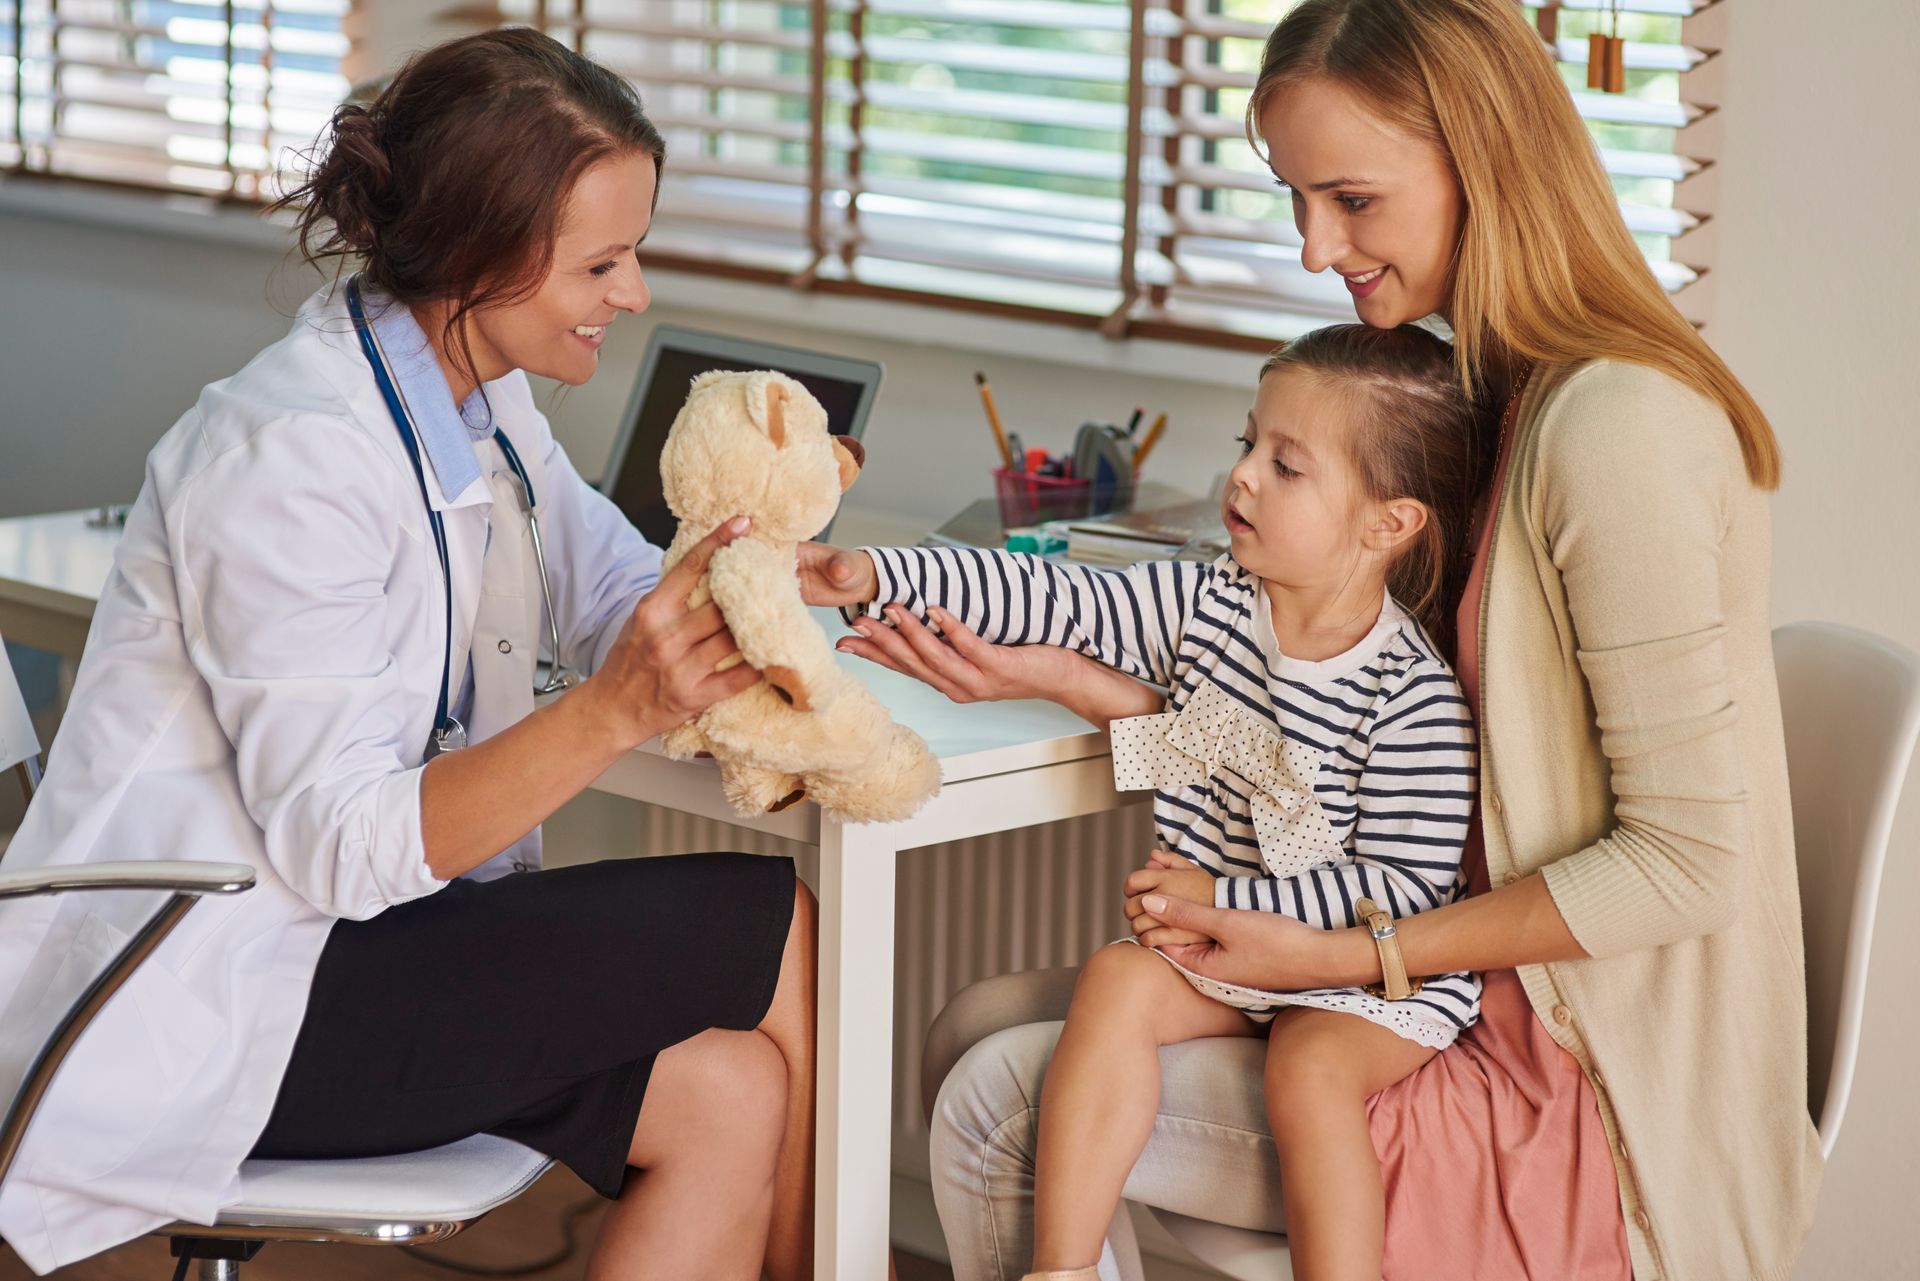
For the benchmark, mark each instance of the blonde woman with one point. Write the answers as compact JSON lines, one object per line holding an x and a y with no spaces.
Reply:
{"x":1633,"y":1100}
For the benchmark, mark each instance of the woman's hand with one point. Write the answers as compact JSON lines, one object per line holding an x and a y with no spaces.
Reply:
{"x":835,"y":576}
{"x":968,"y":669}
{"x":1253,"y":949}
{"x":661,"y":672}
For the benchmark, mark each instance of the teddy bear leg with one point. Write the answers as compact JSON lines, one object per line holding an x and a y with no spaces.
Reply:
{"x":890,"y":785}
{"x":684,"y":742}
{"x":753,"y":790}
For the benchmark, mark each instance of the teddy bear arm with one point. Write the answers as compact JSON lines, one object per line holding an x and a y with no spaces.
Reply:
{"x":756,"y":588}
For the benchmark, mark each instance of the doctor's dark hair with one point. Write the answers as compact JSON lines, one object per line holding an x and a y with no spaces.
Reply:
{"x":1416,"y":436}
{"x":451,"y":184}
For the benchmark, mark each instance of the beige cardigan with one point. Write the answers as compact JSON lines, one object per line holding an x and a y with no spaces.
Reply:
{"x":1631,"y":748}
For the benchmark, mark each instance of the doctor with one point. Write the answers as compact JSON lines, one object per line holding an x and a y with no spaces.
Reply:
{"x":316,"y":655}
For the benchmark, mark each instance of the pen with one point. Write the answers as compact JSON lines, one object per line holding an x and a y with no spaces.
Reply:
{"x":1133,"y":423}
{"x":993,"y":420}
{"x":1151,"y":439}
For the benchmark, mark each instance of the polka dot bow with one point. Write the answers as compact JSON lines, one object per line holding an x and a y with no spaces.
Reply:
{"x":1213,"y":735}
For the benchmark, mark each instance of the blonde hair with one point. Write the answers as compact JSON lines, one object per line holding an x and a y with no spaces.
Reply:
{"x":1545,"y":269}
{"x":1415,"y":435}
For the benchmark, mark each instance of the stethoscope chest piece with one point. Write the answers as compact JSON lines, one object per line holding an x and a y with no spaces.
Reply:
{"x":450,"y":736}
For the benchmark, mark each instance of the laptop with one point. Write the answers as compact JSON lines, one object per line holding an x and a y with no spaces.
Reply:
{"x":675,"y":357}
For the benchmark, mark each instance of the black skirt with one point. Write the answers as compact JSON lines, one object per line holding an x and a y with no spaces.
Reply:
{"x":530,"y":1007}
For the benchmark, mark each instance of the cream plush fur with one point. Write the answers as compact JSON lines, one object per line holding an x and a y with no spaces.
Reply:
{"x":757,"y":445}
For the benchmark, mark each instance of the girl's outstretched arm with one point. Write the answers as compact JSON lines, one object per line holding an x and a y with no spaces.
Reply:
{"x":1130,"y":618}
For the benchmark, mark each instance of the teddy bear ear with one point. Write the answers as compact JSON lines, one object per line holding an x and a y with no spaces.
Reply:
{"x":766,"y":405}
{"x":708,"y":379}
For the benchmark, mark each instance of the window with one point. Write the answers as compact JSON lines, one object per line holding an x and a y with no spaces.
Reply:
{"x":1079,"y":161}
{"x":1637,"y":130}
{"x":206,"y":96}
{"x":988,"y":153}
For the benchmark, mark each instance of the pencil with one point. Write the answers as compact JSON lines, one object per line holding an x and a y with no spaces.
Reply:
{"x":993,"y":420}
{"x":1150,"y":440}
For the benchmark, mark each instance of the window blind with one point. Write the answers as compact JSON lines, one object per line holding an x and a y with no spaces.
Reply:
{"x":1080,"y":160}
{"x":206,"y":96}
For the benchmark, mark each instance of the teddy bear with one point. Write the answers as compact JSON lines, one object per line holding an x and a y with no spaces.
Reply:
{"x":757,"y":445}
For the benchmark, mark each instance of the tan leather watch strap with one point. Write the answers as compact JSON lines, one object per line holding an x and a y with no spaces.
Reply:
{"x":1394,"y":985}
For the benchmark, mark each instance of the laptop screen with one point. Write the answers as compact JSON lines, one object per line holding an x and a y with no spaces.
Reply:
{"x":844,"y":388}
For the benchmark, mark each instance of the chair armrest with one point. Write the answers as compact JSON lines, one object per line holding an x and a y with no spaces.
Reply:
{"x":186,"y":883}
{"x":179,"y":877}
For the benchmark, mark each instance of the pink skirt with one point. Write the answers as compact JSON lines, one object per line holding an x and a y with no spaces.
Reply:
{"x":1496,"y":1163}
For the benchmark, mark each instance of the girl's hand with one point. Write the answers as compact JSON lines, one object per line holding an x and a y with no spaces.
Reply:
{"x":835,"y":576}
{"x":957,"y":663}
{"x":1168,"y":873}
{"x":1253,"y":949}
{"x":968,"y":669}
{"x":660,"y":672}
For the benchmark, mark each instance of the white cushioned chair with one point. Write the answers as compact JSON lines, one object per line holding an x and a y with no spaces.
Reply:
{"x":1851,"y":704}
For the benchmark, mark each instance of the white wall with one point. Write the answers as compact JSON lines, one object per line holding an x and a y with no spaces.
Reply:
{"x":106,"y":335}
{"x":1819,"y":234}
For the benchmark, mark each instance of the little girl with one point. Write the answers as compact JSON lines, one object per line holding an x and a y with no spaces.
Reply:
{"x":1316,"y":753}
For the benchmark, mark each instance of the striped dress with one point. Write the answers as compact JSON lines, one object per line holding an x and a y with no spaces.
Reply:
{"x":1303,"y":787}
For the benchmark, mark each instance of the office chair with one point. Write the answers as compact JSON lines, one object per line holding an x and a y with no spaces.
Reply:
{"x":396,"y":1200}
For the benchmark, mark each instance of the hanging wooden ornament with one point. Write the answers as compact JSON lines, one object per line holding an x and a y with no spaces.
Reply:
{"x":1547,"y":22}
{"x":1607,"y":55}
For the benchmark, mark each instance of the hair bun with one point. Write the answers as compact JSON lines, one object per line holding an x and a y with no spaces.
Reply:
{"x":353,"y":182}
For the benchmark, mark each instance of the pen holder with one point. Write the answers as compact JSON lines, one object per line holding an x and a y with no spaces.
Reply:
{"x":1028,"y":498}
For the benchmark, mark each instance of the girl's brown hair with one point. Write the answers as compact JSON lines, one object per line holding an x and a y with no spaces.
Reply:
{"x":1415,"y":435}
{"x":1546,"y":269}
{"x":444,"y":187}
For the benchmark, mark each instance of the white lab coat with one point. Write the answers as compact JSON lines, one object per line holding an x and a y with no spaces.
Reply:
{"x":258,"y":687}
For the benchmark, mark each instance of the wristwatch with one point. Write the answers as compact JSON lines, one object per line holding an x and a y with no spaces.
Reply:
{"x":1393,"y":968}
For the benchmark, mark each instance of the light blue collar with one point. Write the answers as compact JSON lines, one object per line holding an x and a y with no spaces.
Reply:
{"x":447,"y":435}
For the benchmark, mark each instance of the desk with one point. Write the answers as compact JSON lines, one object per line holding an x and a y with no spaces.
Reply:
{"x":51,"y":571}
{"x":1004,"y":765}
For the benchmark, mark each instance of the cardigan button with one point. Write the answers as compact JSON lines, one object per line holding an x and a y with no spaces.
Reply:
{"x":1493,"y":801}
{"x":1640,"y":1217}
{"x":1509,"y":878}
{"x":1562,"y":1015}
{"x":506,"y":647}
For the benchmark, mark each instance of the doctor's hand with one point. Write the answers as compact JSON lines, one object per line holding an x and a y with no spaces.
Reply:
{"x":835,"y":576}
{"x":661,"y":673}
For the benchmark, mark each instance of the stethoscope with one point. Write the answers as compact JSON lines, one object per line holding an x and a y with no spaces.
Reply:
{"x":448,"y":732}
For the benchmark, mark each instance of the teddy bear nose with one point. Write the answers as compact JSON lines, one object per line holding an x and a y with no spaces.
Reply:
{"x":854,"y":447}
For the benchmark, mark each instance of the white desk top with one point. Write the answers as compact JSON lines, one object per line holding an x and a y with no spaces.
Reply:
{"x":58,"y":563}
{"x":55,"y":562}
{"x":973,"y":739}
